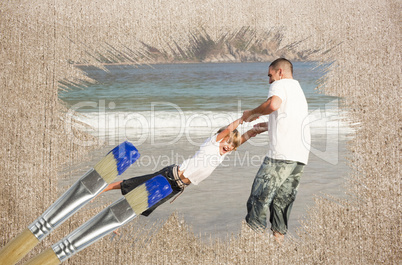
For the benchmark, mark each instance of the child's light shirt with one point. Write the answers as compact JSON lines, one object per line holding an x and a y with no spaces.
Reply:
{"x":204,"y":162}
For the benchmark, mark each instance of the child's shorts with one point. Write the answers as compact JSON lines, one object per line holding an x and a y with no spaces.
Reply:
{"x":168,"y":172}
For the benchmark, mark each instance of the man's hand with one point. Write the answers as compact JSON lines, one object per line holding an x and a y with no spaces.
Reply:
{"x":257,"y":129}
{"x":270,"y":105}
{"x":253,"y":133}
{"x":248,"y":116}
{"x":260,"y":127}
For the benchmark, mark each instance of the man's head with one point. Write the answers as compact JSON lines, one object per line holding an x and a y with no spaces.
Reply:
{"x":280,"y":69}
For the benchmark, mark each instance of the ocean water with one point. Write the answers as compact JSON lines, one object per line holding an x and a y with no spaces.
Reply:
{"x":175,"y":100}
{"x":192,"y":87}
{"x":168,"y":110}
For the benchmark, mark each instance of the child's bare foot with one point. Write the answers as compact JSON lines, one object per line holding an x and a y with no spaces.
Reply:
{"x":279,"y":237}
{"x":117,"y":232}
{"x":95,"y":198}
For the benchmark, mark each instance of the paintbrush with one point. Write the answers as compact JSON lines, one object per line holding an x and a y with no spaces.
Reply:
{"x":80,"y":193}
{"x":113,"y":217}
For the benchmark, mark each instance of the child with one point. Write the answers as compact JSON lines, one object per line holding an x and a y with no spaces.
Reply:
{"x":196,"y":169}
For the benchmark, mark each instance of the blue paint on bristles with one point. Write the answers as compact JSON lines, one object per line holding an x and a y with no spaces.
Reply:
{"x":148,"y":194}
{"x":117,"y":161}
{"x":125,"y":155}
{"x":158,"y":188}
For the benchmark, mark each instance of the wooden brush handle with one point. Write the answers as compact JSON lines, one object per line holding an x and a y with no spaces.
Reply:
{"x":48,"y":257}
{"x":17,"y":248}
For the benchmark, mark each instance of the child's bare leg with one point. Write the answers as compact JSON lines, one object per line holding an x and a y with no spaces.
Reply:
{"x":112,"y":186}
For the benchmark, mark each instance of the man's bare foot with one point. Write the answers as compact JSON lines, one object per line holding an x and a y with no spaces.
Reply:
{"x":279,"y":237}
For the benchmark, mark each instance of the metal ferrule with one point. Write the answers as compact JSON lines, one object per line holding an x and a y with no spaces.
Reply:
{"x":80,"y":193}
{"x":113,"y":217}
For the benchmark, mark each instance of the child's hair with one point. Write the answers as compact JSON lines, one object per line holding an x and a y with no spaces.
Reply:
{"x":234,"y":137}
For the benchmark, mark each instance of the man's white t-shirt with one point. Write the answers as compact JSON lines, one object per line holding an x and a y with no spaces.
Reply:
{"x":201,"y":165}
{"x":288,"y":127}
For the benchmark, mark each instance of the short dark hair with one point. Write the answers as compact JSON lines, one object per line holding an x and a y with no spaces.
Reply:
{"x":282,"y":62}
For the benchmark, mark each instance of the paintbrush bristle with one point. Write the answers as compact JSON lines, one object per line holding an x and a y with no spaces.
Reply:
{"x":138,"y":199}
{"x":146,"y":195}
{"x":117,"y":161}
{"x":107,"y":168}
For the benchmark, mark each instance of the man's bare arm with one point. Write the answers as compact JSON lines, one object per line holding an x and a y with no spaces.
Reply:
{"x":257,"y":129}
{"x":272,"y":104}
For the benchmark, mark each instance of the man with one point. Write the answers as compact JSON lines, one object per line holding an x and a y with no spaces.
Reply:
{"x":276,"y":183}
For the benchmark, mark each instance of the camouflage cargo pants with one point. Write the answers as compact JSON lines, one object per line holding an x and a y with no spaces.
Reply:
{"x":274,"y":189}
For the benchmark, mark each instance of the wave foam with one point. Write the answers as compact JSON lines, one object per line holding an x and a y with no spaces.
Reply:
{"x":330,"y":121}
